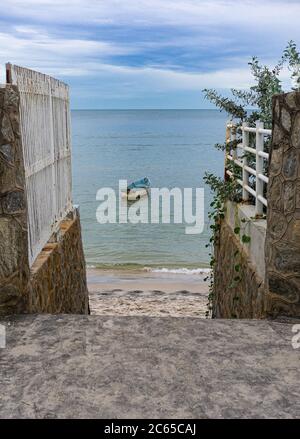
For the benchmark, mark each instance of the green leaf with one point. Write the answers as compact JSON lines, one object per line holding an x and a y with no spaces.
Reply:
{"x":246,"y":239}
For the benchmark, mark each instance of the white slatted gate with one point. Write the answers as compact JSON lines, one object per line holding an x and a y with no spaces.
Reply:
{"x":45,"y":131}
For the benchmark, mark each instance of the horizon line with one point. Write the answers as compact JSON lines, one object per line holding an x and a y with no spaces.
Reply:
{"x":143,"y":109}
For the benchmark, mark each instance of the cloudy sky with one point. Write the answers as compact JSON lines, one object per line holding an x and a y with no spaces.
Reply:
{"x":146,"y":53}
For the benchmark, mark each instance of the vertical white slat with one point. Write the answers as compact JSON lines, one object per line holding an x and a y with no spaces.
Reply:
{"x":232,"y":139}
{"x":227,"y":140}
{"x":245,"y":143}
{"x":259,"y":169}
{"x":52,"y":149}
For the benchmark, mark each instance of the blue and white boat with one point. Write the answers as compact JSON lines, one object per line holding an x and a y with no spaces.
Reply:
{"x":137,"y":189}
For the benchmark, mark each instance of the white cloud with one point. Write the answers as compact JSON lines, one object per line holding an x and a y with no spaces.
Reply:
{"x":164,"y":79}
{"x":41,"y":49}
{"x":86,"y":58}
{"x":71,"y":46}
{"x":163,"y":12}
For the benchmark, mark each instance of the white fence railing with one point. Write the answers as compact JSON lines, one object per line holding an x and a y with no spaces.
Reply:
{"x":239,"y":155}
{"x":45,"y":131}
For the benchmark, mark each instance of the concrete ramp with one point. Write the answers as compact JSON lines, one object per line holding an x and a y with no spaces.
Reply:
{"x":71,"y":366}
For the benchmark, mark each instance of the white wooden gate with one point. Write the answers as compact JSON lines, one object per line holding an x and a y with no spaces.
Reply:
{"x":45,"y":131}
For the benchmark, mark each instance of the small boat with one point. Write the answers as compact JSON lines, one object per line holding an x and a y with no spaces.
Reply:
{"x":137,"y":189}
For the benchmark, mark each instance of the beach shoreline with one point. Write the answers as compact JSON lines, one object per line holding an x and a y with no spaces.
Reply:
{"x":152,"y":293}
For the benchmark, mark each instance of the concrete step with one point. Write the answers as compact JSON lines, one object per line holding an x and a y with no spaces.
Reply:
{"x":74,"y":366}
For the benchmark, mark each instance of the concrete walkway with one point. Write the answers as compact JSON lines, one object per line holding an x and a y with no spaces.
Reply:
{"x":147,"y":367}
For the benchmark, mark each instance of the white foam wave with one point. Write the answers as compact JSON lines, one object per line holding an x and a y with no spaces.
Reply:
{"x":179,"y":270}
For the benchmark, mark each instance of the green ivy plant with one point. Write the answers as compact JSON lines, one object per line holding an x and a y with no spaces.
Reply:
{"x":266,"y":84}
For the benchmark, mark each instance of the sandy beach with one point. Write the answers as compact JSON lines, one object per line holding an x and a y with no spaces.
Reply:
{"x":133,"y":292}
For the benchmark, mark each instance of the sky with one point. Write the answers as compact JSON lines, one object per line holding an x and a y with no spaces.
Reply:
{"x":125,"y":54}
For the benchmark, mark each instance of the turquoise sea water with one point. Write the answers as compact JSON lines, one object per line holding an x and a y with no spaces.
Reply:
{"x":173,"y":148}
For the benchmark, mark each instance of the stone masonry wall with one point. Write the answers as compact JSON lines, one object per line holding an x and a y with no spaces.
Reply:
{"x":57,"y":281}
{"x":58,"y":276}
{"x":283,"y":217}
{"x":14,"y":268}
{"x":243,"y":298}
{"x":276,"y":291}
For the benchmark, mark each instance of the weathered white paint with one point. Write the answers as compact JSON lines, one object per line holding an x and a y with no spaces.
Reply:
{"x":243,"y":216}
{"x":45,"y":131}
{"x":258,"y":151}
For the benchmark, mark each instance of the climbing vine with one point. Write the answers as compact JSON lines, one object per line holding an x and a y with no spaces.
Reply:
{"x":266,"y":83}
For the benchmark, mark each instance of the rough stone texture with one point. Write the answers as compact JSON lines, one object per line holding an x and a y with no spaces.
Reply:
{"x":58,"y":276}
{"x":283,"y":216}
{"x":242,"y":298}
{"x":143,"y":367}
{"x":14,"y":268}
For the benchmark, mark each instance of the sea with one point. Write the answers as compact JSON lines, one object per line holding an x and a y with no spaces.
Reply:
{"x":173,"y":148}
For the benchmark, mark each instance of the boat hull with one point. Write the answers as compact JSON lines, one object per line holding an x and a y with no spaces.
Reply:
{"x":134,"y":195}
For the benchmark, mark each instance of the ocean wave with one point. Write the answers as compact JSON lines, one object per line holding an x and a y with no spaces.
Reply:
{"x":115,"y":266}
{"x":150,"y":269}
{"x":179,"y":270}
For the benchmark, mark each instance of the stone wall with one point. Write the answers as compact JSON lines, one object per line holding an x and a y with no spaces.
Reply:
{"x":239,"y":290}
{"x":58,"y":276}
{"x":57,"y":281}
{"x":283,"y":233}
{"x":270,"y":280}
{"x":14,"y":268}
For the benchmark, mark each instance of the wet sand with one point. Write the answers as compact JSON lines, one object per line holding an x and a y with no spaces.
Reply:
{"x":136,"y":293}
